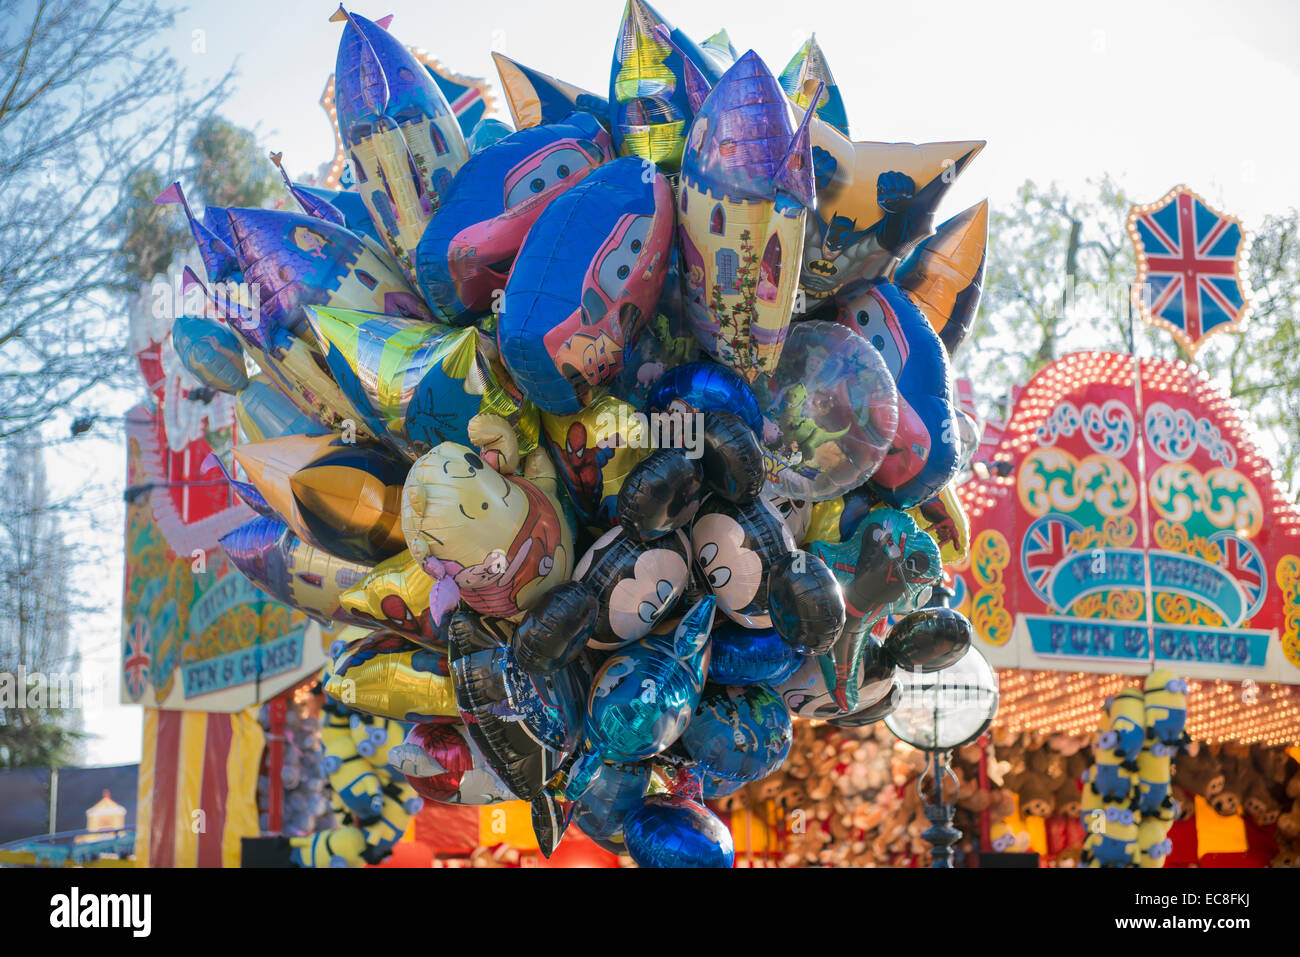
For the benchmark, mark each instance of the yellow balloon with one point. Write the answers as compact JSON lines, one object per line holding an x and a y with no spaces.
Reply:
{"x":502,"y":538}
{"x":396,"y":596}
{"x":386,"y":675}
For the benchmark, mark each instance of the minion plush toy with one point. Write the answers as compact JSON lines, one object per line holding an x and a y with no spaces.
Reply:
{"x":1155,"y":799}
{"x":1165,"y":705}
{"x":1112,"y":839}
{"x":1126,"y":732}
{"x":352,"y":778}
{"x":1153,"y":844}
{"x":1111,"y":779}
{"x":339,"y":847}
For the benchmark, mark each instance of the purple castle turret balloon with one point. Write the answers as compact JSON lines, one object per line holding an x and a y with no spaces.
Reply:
{"x":402,"y":139}
{"x":296,"y":260}
{"x":215,"y":250}
{"x":747,"y":185}
{"x":309,"y":203}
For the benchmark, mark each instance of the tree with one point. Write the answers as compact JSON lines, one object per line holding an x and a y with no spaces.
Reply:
{"x":1060,"y":268}
{"x":223,"y":166}
{"x":88,"y":106}
{"x":38,"y":662}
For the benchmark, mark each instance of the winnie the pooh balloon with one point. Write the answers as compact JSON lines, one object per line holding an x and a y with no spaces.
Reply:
{"x":501,"y":536}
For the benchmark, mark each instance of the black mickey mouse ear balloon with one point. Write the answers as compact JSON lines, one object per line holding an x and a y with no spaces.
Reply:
{"x":735,"y":548}
{"x":557,"y":628}
{"x":660,"y":494}
{"x":806,"y":603}
{"x":636,"y":583}
{"x":551,"y":817}
{"x":732,"y":459}
{"x":524,"y":725}
{"x":929,"y":639}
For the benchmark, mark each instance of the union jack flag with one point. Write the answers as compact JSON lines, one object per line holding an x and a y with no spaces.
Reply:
{"x":1240,"y":559}
{"x":1047,"y":543}
{"x":1189,"y":260}
{"x":136,"y":660}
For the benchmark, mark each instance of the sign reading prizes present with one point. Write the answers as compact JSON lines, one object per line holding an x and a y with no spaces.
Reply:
{"x":197,"y":635}
{"x":1137,"y":524}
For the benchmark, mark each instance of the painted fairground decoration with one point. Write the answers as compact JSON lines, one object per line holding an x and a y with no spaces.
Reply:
{"x":196,"y":634}
{"x":1128,"y":522}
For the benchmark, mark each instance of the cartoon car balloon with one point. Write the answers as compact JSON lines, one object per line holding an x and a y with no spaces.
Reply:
{"x":467,"y":250}
{"x":924,"y":455}
{"x":585,"y":283}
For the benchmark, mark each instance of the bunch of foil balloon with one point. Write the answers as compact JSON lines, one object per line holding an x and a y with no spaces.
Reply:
{"x":621,"y":436}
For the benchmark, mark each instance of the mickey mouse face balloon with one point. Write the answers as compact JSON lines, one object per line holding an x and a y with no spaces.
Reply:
{"x":638,"y":583}
{"x":795,"y":512}
{"x":924,"y":455}
{"x":734,"y":548}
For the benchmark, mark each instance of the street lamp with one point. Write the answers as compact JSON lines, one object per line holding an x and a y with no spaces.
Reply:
{"x":942,"y":710}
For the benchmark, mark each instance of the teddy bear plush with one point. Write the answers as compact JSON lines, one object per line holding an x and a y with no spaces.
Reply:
{"x":1288,"y":823}
{"x":1037,"y":795}
{"x":1227,"y":801}
{"x":1288,"y":854}
{"x":1271,"y":764}
{"x":1067,"y":798}
{"x":1197,"y":770}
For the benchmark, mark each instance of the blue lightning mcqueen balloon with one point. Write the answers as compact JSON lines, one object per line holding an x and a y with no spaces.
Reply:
{"x":924,"y":455}
{"x":585,"y":284}
{"x":467,"y":249}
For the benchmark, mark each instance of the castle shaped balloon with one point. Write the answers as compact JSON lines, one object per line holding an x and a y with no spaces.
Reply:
{"x":747,"y":180}
{"x":403,"y":141}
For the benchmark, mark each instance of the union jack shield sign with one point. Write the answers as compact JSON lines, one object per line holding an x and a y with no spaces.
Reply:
{"x":1191,"y":262}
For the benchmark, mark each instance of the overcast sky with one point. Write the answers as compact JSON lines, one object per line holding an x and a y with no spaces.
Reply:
{"x":1153,"y":93}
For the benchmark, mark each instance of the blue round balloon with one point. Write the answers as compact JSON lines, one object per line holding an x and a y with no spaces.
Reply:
{"x":616,"y":790}
{"x":703,"y":387}
{"x":669,"y":830}
{"x":714,"y":787}
{"x":746,"y":656}
{"x":211,"y":353}
{"x":741,"y":734}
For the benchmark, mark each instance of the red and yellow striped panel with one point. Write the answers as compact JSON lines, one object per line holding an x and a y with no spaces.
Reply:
{"x":198,"y":787}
